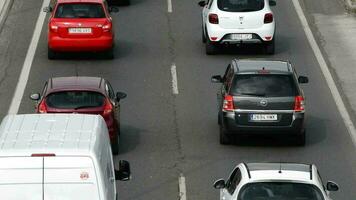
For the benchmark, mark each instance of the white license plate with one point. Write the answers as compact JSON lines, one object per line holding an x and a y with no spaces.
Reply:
{"x":263,"y":117}
{"x":241,"y":36}
{"x":79,"y":30}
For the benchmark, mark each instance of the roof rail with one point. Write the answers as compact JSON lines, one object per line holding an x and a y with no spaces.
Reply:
{"x":248,"y":170}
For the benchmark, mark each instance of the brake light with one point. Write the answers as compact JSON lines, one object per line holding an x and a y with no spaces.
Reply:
{"x":107,"y":108}
{"x":299,"y":104}
{"x":43,"y":154}
{"x":268,"y":18}
{"x":42,"y":107}
{"x":53,"y":27}
{"x":107,"y":27}
{"x":213,"y":18}
{"x":228,"y":104}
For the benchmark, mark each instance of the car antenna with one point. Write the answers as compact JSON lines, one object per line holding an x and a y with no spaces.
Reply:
{"x":280,"y":167}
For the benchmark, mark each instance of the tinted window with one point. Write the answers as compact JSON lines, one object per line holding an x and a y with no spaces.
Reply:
{"x":279,"y":190}
{"x":75,"y":99}
{"x":263,"y":85}
{"x":80,"y":10}
{"x":241,"y":5}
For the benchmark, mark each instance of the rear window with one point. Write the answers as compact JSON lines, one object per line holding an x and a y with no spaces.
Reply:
{"x":80,"y":10}
{"x":241,"y":5}
{"x":263,"y":85}
{"x":75,"y":99}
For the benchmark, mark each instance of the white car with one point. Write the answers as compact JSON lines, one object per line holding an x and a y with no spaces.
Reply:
{"x":238,"y":22}
{"x":272,"y":181}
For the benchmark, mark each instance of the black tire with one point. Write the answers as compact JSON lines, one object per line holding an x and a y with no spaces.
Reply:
{"x":224,"y":137}
{"x":203,"y":35}
{"x":110,"y":54}
{"x":51,"y":54}
{"x":301,"y":138}
{"x":211,"y":48}
{"x":270,"y":47}
{"x":125,"y":2}
{"x":115,"y":146}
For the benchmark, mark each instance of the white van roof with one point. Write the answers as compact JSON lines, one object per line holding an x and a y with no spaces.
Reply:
{"x":61,"y":134}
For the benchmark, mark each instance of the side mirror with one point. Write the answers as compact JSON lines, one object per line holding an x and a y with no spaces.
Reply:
{"x":113,"y":9}
{"x":202,"y":3}
{"x":120,"y":95}
{"x":216,"y":79}
{"x":219,"y":184}
{"x":47,"y":9}
{"x":332,"y":186}
{"x":272,"y":3}
{"x":35,"y":96}
{"x":124,"y":172}
{"x":303,"y":79}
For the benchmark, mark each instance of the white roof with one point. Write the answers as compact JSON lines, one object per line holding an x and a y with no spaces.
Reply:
{"x":49,"y":133}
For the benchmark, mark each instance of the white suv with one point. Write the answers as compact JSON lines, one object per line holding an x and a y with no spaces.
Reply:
{"x":267,"y":181}
{"x":238,"y":22}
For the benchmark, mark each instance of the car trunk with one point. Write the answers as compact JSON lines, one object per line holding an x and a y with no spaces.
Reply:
{"x":83,"y":28}
{"x":241,"y":20}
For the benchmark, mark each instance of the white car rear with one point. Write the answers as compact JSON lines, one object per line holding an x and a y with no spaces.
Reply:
{"x":237,"y":22}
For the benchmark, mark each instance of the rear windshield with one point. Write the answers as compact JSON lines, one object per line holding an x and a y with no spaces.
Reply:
{"x":80,"y":10}
{"x":75,"y":99}
{"x":263,"y":85}
{"x":241,"y":5}
{"x":279,"y":191}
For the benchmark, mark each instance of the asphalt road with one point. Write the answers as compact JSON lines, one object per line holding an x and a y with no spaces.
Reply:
{"x":165,"y":134}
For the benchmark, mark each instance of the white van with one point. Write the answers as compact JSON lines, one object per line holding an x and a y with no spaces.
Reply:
{"x":57,"y":157}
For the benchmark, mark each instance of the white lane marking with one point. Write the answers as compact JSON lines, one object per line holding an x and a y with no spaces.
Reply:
{"x":182,"y":188}
{"x":26,"y":68}
{"x":324,"y":68}
{"x":170,"y":7}
{"x":174,"y":79}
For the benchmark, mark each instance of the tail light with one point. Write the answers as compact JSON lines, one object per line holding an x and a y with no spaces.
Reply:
{"x":299,"y":104}
{"x":268,"y":18}
{"x":107,"y":108}
{"x":42,"y":107}
{"x":53,"y":27}
{"x":107,"y":27}
{"x":228,"y":104}
{"x":213,"y":18}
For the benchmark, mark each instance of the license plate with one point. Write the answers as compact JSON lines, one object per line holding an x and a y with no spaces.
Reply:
{"x":79,"y":30}
{"x":241,"y":36}
{"x":263,"y":117}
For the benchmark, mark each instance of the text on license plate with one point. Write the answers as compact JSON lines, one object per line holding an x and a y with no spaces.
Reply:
{"x":79,"y":30}
{"x":241,"y":36}
{"x":263,"y":117}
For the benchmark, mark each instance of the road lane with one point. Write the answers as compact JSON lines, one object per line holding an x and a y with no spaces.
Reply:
{"x":165,"y":135}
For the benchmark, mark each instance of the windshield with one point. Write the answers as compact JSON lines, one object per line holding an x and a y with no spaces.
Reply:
{"x":263,"y":85}
{"x":280,"y":191}
{"x":241,"y":5}
{"x":80,"y":10}
{"x":75,"y":100}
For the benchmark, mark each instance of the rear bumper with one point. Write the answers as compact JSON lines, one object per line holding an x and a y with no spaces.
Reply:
{"x":230,"y":124}
{"x":102,"y":43}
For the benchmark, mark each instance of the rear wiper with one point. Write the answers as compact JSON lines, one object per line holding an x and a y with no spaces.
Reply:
{"x":87,"y":106}
{"x":253,"y":94}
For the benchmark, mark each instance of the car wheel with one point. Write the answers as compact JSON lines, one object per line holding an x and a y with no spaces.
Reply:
{"x":126,"y":2}
{"x":203,"y":35}
{"x":270,"y":47}
{"x":224,"y":137}
{"x":115,"y":146}
{"x":301,"y":139}
{"x":51,"y":54}
{"x":110,"y":54}
{"x":211,"y":48}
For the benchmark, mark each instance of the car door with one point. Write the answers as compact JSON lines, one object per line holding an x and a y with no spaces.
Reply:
{"x":231,"y":184}
{"x":206,"y":10}
{"x":110,"y":92}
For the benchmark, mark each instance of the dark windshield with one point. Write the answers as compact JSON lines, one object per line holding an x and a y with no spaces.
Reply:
{"x":75,"y":100}
{"x":263,"y":85}
{"x":80,"y":10}
{"x":280,"y":191}
{"x":241,"y":5}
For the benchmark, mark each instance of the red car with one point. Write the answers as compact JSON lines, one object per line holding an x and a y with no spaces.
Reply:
{"x":80,"y":25}
{"x":91,"y":95}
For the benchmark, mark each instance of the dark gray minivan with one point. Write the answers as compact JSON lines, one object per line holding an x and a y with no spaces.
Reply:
{"x":260,"y":96}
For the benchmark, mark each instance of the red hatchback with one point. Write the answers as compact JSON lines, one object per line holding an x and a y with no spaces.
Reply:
{"x":80,"y":25}
{"x":90,"y":95}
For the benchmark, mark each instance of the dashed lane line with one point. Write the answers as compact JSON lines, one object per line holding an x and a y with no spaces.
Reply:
{"x":182,"y":188}
{"x":170,"y":6}
{"x":174,"y":79}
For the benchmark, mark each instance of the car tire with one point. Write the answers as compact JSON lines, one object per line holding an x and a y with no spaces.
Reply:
{"x":51,"y":54}
{"x":270,"y":47}
{"x":126,"y":2}
{"x":224,"y":137}
{"x":115,"y":146}
{"x":211,"y":48}
{"x":110,"y":54}
{"x":203,"y":35}
{"x":301,"y":138}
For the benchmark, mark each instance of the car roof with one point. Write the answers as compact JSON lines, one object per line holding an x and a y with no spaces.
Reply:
{"x":246,"y":66}
{"x":61,"y":134}
{"x":75,"y":83}
{"x":79,"y":1}
{"x":280,"y":171}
